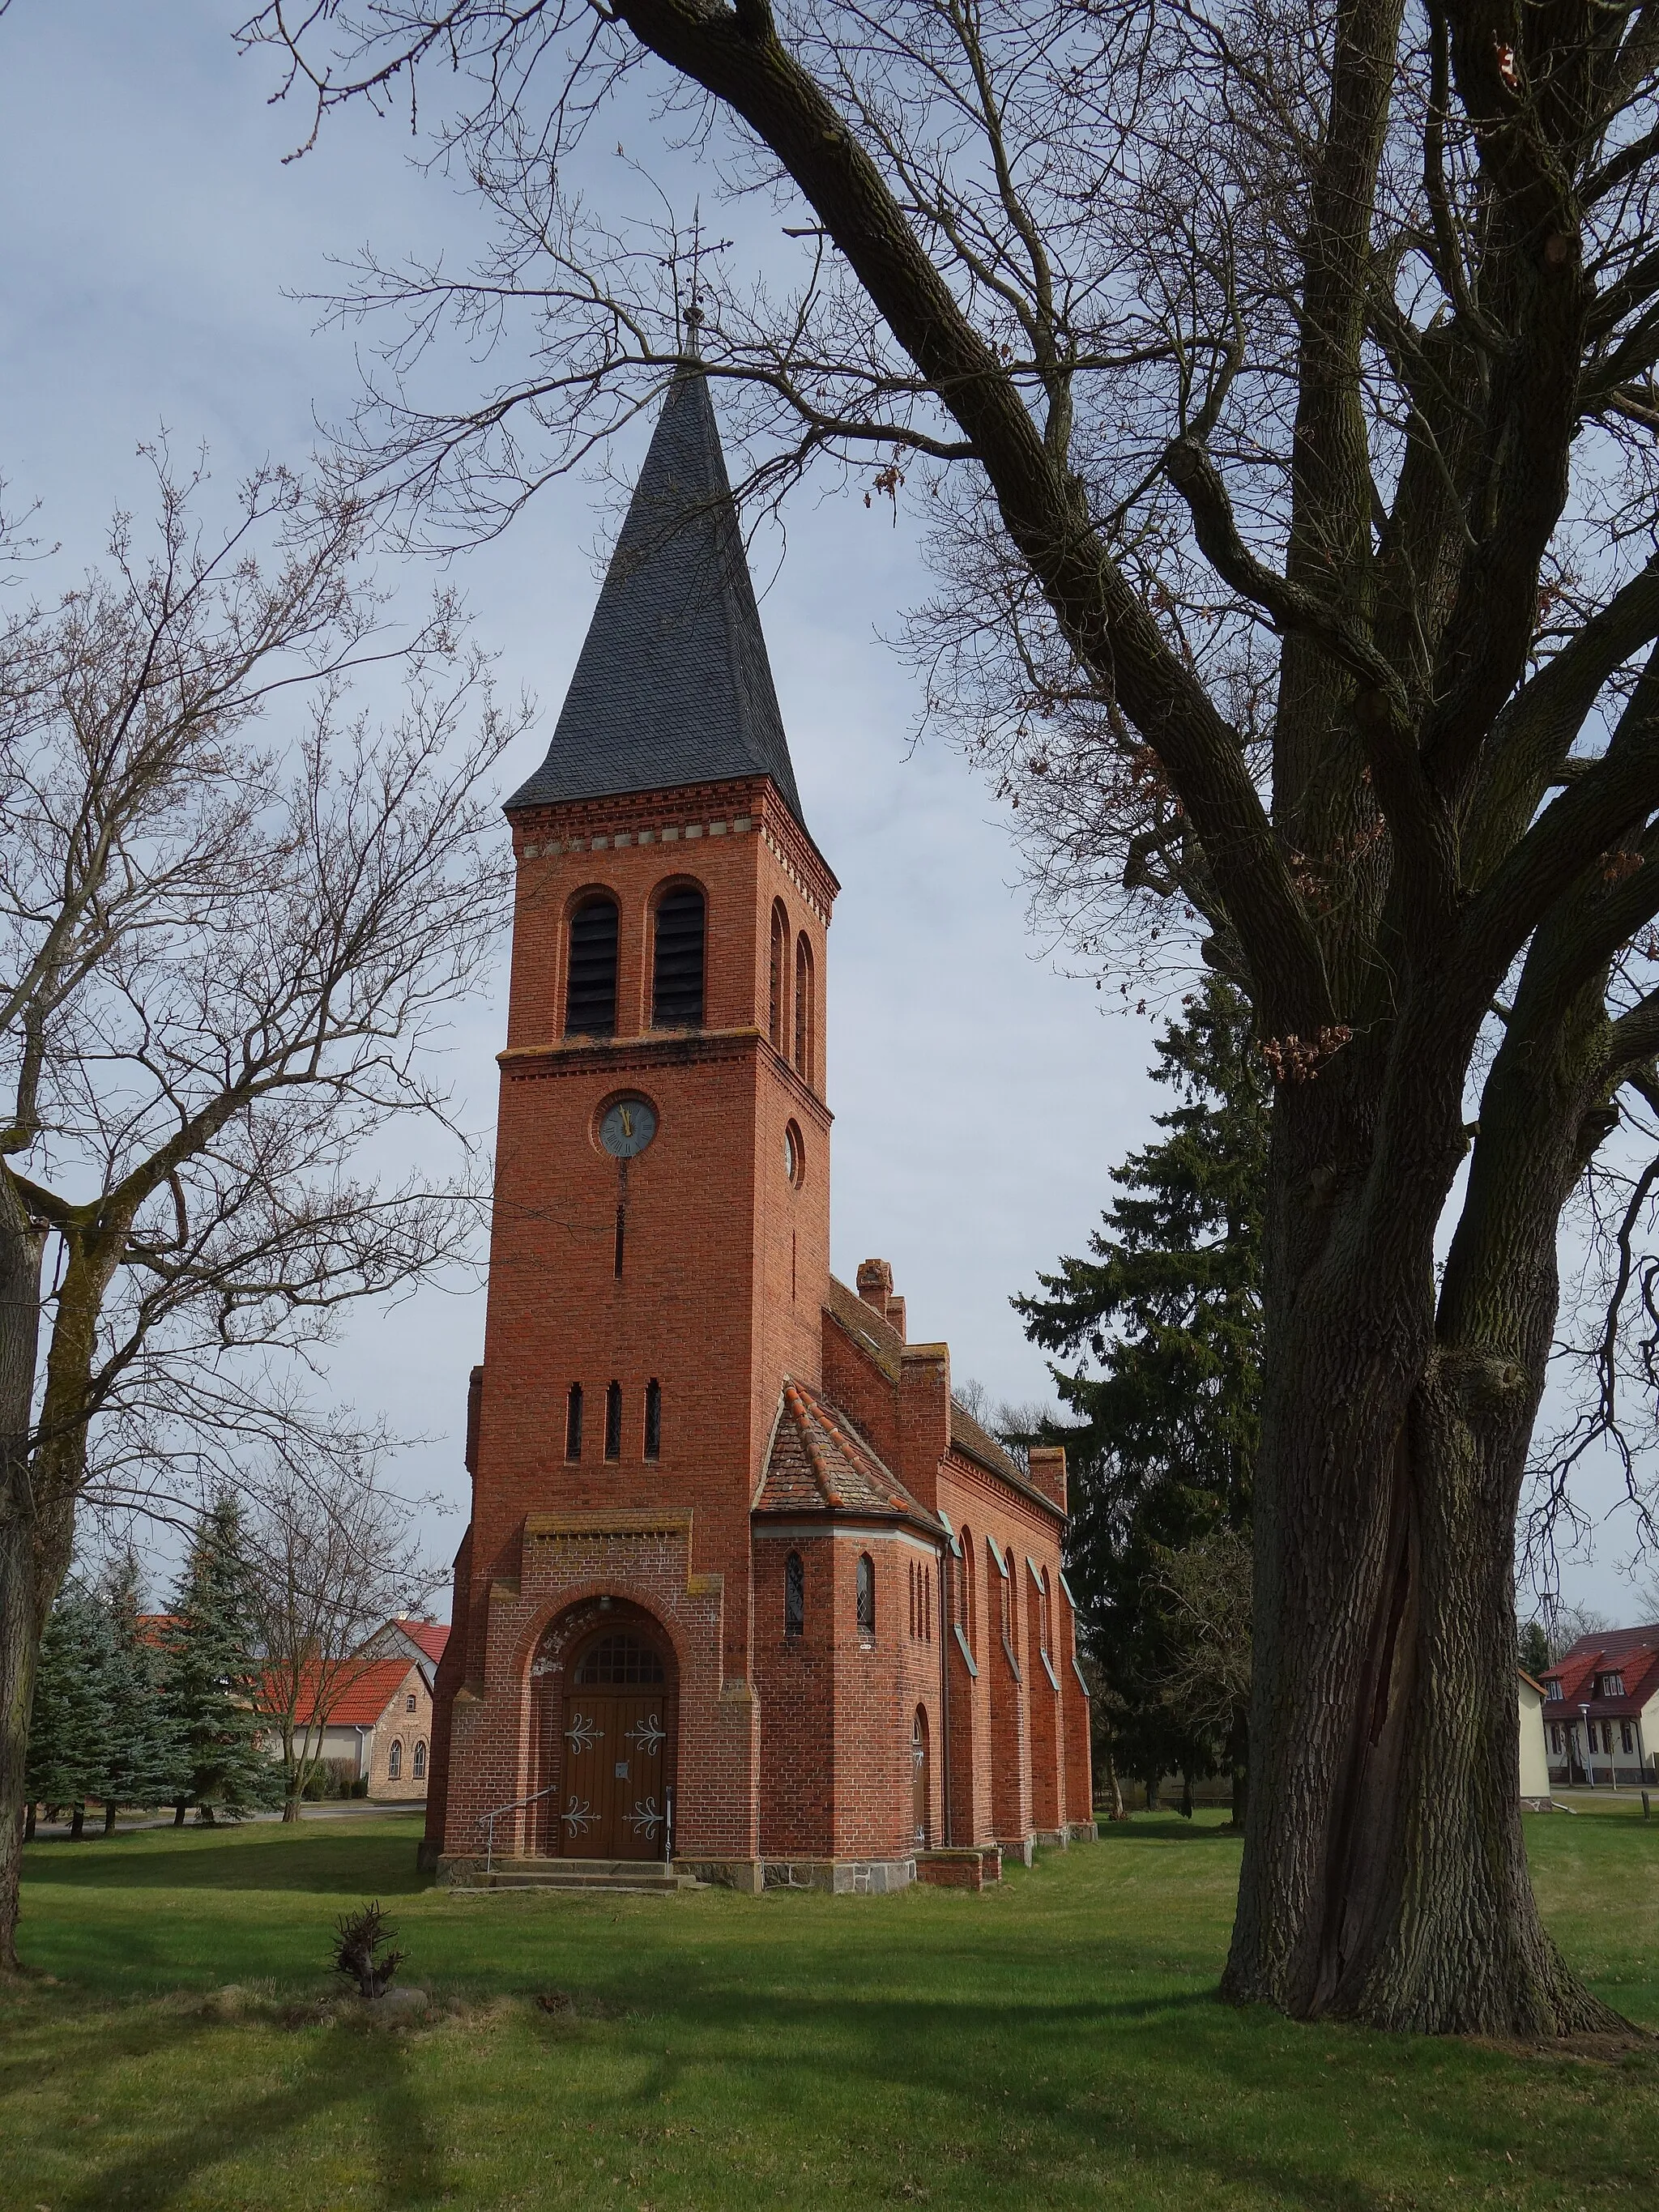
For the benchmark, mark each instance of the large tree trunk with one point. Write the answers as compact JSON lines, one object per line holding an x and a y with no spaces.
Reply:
{"x":43,"y":1478}
{"x":1385,"y":1874}
{"x":26,"y":1594}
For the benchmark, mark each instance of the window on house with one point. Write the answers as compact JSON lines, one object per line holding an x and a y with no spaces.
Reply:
{"x":968,"y":1587}
{"x":572,"y":1422}
{"x":866,"y":1594}
{"x":420,"y":1762}
{"x":779,"y":978}
{"x":408,"y":1703}
{"x":794,"y":1596}
{"x":677,"y":975}
{"x":653,"y":1419}
{"x":1553,"y":1690}
{"x":613,"y":1421}
{"x":590,"y":1000}
{"x":1610,"y":1685}
{"x":802,"y":1010}
{"x":394,"y":1762}
{"x":1627,"y":1742}
{"x":1043,"y":1645}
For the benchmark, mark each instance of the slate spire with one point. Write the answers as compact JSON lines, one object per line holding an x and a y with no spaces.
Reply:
{"x":673,"y":685}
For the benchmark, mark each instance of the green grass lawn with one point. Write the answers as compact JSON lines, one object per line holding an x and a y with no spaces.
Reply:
{"x":1057,"y":2042}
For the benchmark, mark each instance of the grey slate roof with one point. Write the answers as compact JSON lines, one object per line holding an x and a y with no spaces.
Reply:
{"x":673,"y":685}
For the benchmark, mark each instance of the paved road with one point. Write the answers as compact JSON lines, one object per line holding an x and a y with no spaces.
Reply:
{"x":347,"y":1808}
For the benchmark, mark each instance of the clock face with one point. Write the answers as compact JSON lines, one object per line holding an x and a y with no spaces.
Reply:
{"x":627,"y":1127}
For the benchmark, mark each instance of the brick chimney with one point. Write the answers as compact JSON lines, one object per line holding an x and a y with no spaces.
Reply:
{"x":924,"y":1419}
{"x":876,"y":1288}
{"x":1048,"y":1472}
{"x":474,"y":1410}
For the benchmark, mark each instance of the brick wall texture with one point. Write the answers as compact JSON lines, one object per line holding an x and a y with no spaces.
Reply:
{"x":697,"y":1275}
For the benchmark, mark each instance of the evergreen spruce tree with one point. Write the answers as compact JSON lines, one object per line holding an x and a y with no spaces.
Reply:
{"x":1157,"y":1339}
{"x":141,"y":1762}
{"x":209,"y":1677}
{"x":70,"y":1718}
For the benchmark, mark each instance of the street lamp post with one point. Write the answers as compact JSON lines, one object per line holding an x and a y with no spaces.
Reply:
{"x":1590,"y":1765}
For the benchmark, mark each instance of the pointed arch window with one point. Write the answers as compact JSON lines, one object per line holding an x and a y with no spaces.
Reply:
{"x":394,"y":1764}
{"x":776,"y":1019}
{"x":677,"y":987}
{"x":794,"y":1596}
{"x":420,"y":1762}
{"x":572,"y":1422}
{"x":653,"y":1419}
{"x":866,"y":1594}
{"x":590,"y":1001}
{"x":803,"y":1009}
{"x":613,"y":1421}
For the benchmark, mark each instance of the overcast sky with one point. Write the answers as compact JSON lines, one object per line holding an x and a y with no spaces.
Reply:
{"x":153,"y":241}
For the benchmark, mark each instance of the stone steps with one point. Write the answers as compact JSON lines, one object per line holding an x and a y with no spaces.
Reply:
{"x":611,"y":1877}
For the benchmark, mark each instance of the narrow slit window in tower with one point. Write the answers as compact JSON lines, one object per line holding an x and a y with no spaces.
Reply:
{"x":590,"y":1004}
{"x":613,"y":1421}
{"x":572,"y":1422}
{"x":653,"y":1419}
{"x":794,"y":1596}
{"x":677,"y":979}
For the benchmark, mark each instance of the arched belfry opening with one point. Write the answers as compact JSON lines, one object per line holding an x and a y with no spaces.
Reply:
{"x":605,"y":1730}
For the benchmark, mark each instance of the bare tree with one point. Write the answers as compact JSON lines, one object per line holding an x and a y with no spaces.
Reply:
{"x":1206,"y":1590}
{"x":1278,"y":385}
{"x":332,"y":1553}
{"x":226,"y":945}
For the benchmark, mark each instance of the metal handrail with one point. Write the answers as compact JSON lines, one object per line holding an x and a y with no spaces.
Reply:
{"x":487,"y":1822}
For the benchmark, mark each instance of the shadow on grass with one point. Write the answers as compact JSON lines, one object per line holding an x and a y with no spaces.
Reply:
{"x":346,"y":2068}
{"x":244,"y":1859}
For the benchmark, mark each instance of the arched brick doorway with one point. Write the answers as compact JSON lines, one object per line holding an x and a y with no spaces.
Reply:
{"x":605,"y":1723}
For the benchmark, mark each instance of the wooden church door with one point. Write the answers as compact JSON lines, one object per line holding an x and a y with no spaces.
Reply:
{"x":619,"y":1726}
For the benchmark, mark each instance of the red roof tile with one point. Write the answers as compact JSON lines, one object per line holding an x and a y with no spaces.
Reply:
{"x":1632,"y":1653}
{"x":355,"y":1697}
{"x":819,"y":1463}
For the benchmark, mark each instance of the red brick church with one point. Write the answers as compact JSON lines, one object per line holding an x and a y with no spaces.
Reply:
{"x":744,"y":1587}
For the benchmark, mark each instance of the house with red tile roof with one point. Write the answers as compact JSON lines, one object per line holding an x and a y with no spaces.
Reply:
{"x":404,"y":1636}
{"x":1601,"y":1709}
{"x":375,"y":1716}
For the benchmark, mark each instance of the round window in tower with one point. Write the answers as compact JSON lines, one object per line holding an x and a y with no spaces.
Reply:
{"x":794,"y":1156}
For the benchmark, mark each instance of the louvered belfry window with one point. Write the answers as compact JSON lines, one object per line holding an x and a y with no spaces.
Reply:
{"x":802,"y":1010}
{"x":778,"y":977}
{"x":590,"y":1004}
{"x":677,"y":983}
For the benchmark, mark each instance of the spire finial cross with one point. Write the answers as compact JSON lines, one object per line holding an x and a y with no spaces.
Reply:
{"x":694,"y":313}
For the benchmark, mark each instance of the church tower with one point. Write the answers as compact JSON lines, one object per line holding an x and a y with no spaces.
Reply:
{"x":659,"y":1250}
{"x":746,"y":1589}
